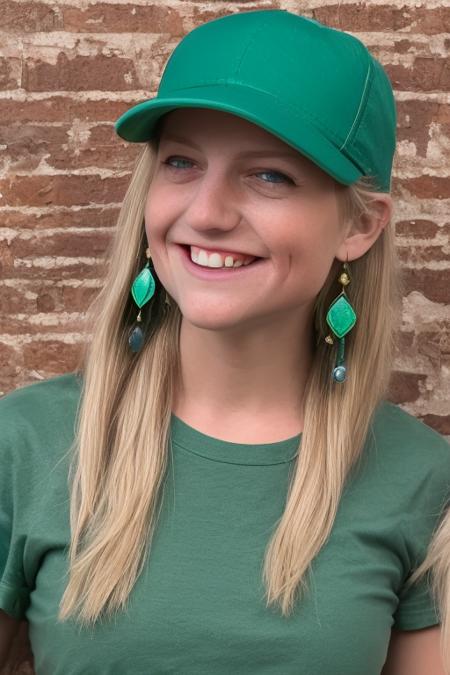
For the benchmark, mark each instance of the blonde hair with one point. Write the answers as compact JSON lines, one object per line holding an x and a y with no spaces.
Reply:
{"x":121,"y":444}
{"x":436,"y":568}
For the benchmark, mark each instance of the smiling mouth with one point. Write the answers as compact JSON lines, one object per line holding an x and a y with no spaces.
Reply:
{"x":217,"y":259}
{"x":216,"y":271}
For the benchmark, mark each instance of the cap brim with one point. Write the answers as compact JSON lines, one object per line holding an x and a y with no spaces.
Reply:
{"x":137,"y":124}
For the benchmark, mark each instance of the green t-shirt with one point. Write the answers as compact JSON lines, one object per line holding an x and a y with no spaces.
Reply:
{"x":198,"y":607}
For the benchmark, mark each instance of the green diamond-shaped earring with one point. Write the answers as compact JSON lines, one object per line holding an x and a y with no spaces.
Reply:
{"x":341,"y":318}
{"x":142,"y":290}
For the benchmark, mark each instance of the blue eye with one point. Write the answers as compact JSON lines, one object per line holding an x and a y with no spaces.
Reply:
{"x":284,"y":178}
{"x":177,"y":159}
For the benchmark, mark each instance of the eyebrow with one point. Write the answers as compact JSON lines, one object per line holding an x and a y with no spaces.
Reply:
{"x":245,"y":153}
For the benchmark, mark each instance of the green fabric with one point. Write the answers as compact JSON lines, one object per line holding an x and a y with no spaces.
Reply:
{"x":197,"y":608}
{"x":316,"y":88}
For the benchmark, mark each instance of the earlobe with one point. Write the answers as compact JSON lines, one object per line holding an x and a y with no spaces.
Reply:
{"x":364,"y":233}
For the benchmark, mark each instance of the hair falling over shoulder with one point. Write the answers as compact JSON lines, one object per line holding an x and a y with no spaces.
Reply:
{"x":436,"y":567}
{"x":122,"y":437}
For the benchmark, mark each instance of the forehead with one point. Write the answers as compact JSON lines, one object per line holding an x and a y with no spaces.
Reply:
{"x":218,"y":121}
{"x":202,"y":126}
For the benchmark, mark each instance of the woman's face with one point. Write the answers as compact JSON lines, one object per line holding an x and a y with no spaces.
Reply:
{"x":225,"y":185}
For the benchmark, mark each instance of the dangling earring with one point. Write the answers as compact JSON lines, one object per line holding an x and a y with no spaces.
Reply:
{"x":341,"y":318}
{"x":142,"y":290}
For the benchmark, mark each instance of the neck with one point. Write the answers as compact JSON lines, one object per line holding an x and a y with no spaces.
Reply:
{"x":229,"y":376}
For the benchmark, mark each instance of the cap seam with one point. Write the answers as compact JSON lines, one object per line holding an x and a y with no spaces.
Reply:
{"x":249,"y":44}
{"x":298,"y":111}
{"x":362,"y":103}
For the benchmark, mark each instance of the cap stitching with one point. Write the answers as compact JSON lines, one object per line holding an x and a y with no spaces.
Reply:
{"x":363,"y":101}
{"x":298,"y":111}
{"x":249,"y":44}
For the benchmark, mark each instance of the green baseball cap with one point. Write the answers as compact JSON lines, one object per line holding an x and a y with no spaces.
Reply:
{"x":316,"y":88}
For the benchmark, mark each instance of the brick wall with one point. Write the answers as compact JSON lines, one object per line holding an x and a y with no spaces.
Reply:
{"x":69,"y":69}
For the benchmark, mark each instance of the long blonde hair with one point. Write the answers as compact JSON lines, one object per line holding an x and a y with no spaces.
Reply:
{"x":121,"y":445}
{"x":436,"y":568}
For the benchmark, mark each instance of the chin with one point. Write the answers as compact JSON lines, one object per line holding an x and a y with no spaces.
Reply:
{"x":208,"y":316}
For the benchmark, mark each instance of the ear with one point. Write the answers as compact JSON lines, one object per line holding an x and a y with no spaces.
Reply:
{"x":361,"y":235}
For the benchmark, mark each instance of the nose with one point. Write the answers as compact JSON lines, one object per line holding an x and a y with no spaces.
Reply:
{"x":214,"y":206}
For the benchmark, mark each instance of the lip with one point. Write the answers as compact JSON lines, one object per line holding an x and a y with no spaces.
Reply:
{"x":219,"y":273}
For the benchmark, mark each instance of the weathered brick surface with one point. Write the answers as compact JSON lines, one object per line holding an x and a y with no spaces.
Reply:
{"x":366,"y":16}
{"x":106,"y":18}
{"x":82,"y":73}
{"x":60,"y":190}
{"x":68,"y":70}
{"x":60,"y":108}
{"x":78,"y":143}
{"x":97,"y":216}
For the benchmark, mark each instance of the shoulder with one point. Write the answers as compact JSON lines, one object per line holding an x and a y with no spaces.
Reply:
{"x":50,"y":395}
{"x":405,"y":436}
{"x":40,"y":415}
{"x":407,"y":458}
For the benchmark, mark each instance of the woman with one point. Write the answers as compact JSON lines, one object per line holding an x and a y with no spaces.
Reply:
{"x":243,"y":498}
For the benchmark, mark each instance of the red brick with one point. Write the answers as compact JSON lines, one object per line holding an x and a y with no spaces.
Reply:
{"x":429,"y":344}
{"x":49,"y":298}
{"x":78,"y":299}
{"x":434,"y":341}
{"x":11,"y":325}
{"x":420,"y":229}
{"x":58,"y":108}
{"x":70,"y":270}
{"x":424,"y":187}
{"x":45,"y":302}
{"x":53,"y":356}
{"x":28,"y":145}
{"x":10,"y":362}
{"x":422,"y":255}
{"x":9,"y":73}
{"x":201,"y":14}
{"x":404,"y":341}
{"x":100,"y":216}
{"x":29,"y":17}
{"x":428,"y":73}
{"x":6,"y":256}
{"x":404,"y":387}
{"x":433,"y":284}
{"x":102,"y":150}
{"x":414,"y":120}
{"x":439,"y":423}
{"x":69,"y":244}
{"x":444,"y":328}
{"x":61,"y":190}
{"x":364,"y":17}
{"x":13,"y":301}
{"x":80,"y":73}
{"x":110,"y":18}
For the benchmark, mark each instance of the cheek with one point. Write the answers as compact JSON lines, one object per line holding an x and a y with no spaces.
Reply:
{"x":155,"y":216}
{"x":307,"y":254}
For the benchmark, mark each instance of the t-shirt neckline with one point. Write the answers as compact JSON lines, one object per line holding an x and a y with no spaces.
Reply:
{"x":196,"y":442}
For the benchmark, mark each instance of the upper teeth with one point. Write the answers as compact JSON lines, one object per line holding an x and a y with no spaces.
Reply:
{"x":208,"y":259}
